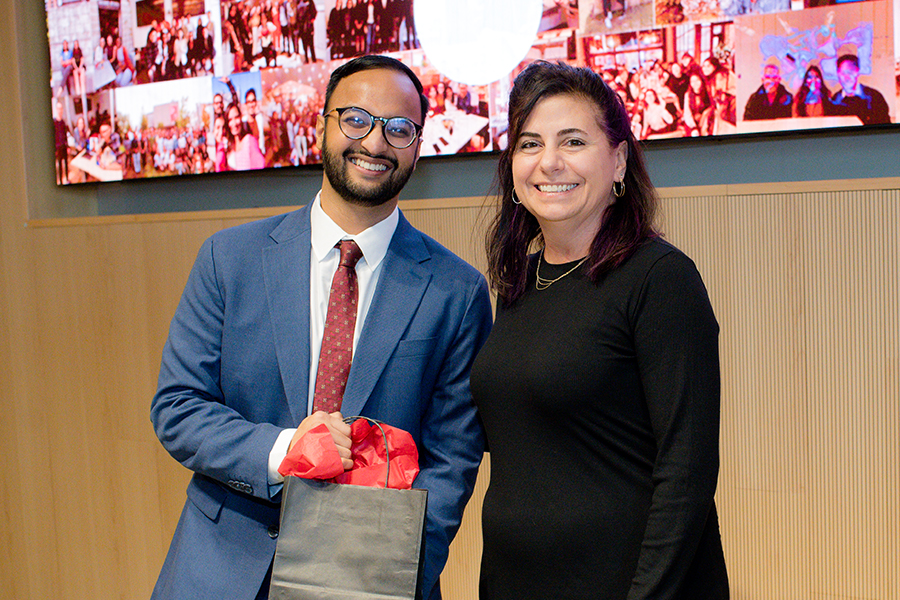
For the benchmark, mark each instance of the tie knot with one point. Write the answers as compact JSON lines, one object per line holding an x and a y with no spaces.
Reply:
{"x":350,"y":253}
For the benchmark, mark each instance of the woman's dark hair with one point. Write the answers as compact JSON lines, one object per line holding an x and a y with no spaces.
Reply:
{"x":627,"y":222}
{"x":698,"y":101}
{"x":803,"y":92}
{"x":715,"y":63}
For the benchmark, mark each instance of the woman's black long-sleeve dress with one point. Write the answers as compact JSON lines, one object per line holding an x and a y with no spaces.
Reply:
{"x":601,"y":406}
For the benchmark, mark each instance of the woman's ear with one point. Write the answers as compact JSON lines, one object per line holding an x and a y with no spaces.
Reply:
{"x":621,"y":160}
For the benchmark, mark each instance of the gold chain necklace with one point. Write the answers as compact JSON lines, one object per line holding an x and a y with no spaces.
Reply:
{"x":542,"y":284}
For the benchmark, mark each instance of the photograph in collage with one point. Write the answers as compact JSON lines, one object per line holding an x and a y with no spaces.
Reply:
{"x":818,"y":68}
{"x":291,"y":101}
{"x":601,"y":16}
{"x":675,"y":81}
{"x":163,"y":128}
{"x":458,"y":114}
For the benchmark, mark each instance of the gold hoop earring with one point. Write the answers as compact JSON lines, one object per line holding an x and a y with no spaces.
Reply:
{"x":620,"y":190}
{"x":515,"y":198}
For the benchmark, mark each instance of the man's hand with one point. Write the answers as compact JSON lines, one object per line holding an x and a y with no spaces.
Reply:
{"x":340,"y":433}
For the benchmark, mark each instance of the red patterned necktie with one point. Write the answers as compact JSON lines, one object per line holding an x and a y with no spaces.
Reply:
{"x":340,"y":322}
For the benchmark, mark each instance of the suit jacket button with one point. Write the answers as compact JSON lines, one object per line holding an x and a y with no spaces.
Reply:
{"x":273,"y":532}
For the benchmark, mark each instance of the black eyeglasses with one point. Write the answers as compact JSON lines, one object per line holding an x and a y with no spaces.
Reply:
{"x":356,"y":124}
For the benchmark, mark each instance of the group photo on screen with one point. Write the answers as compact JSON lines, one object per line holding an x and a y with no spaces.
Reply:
{"x":674,"y":81}
{"x":153,"y":88}
{"x":832,"y":66}
{"x":290,"y":33}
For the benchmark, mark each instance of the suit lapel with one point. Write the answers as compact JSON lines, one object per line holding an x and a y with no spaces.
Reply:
{"x":401,"y":285}
{"x":286,"y":272}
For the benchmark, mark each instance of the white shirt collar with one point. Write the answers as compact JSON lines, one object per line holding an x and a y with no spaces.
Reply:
{"x":373,"y":242}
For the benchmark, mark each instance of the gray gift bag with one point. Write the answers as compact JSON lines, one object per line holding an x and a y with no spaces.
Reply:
{"x":342,"y":542}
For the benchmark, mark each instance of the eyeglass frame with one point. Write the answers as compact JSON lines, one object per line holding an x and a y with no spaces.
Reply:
{"x":383,"y":120}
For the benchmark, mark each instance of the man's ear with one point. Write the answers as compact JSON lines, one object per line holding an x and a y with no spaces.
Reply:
{"x":320,"y":129}
{"x":418,"y":152}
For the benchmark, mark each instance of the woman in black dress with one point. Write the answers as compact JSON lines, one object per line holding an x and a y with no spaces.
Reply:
{"x":599,"y":385}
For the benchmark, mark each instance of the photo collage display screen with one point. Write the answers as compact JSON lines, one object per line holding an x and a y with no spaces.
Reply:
{"x":152,"y":88}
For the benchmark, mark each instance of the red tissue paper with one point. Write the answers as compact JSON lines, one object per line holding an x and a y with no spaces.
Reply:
{"x":315,"y":456}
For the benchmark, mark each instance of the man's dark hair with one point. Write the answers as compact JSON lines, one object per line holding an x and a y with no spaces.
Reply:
{"x":374,"y":61}
{"x":848,"y":58}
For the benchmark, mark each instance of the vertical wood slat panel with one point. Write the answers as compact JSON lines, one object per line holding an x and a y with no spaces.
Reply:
{"x":748,"y":246}
{"x":809,"y":485}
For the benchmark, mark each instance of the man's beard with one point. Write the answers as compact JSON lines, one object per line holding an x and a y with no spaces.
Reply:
{"x":364,"y":195}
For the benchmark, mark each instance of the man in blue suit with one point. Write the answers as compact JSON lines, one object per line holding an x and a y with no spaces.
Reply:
{"x":237,"y":380}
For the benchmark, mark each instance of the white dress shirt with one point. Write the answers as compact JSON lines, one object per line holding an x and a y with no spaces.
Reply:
{"x":324,"y":260}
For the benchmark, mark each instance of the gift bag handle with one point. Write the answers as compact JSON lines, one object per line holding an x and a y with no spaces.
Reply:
{"x":387,"y":452}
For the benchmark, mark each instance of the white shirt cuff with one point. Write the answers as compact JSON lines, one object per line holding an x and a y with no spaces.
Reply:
{"x":277,"y":454}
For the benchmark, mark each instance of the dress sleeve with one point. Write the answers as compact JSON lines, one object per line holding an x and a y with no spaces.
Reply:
{"x":676,"y":344}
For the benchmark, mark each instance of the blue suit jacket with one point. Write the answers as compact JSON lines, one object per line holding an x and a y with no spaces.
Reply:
{"x":235,"y":372}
